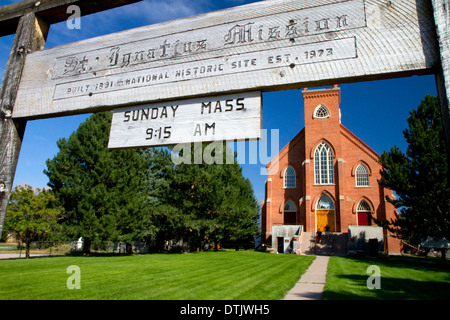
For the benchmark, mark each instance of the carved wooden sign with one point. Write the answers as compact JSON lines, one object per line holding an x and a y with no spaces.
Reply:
{"x":264,"y":46}
{"x":229,"y":117}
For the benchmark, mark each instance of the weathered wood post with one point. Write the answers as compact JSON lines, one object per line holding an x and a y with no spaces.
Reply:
{"x":30,"y":20}
{"x":30,"y":36}
{"x":441,"y":10}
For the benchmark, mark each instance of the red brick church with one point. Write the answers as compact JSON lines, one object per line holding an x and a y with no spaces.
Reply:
{"x":325,"y":176}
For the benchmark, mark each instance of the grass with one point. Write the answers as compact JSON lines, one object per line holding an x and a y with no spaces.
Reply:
{"x":223,"y":275}
{"x":402,"y":278}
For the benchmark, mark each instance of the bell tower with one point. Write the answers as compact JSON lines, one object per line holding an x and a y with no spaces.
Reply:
{"x":322,"y":147}
{"x":322,"y":111}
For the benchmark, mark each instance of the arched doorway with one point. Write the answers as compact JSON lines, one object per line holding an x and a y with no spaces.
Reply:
{"x":364,"y":213}
{"x":325,"y":213}
{"x":290,"y":213}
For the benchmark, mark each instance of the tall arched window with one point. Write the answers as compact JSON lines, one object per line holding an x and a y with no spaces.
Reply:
{"x":364,"y":212}
{"x":362,"y":176}
{"x":289,"y":178}
{"x":323,"y":164}
{"x":290,"y":213}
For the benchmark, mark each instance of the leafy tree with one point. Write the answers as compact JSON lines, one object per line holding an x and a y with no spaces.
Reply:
{"x":31,"y":215}
{"x":420,"y":177}
{"x":103,"y":191}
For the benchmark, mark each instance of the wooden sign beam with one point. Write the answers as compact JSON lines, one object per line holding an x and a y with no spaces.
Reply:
{"x":30,"y":21}
{"x":263,"y":46}
{"x":51,"y":11}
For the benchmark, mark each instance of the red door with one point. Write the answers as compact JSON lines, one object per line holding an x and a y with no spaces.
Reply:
{"x":364,"y":218}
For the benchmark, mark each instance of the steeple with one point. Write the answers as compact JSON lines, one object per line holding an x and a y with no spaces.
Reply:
{"x":322,"y":112}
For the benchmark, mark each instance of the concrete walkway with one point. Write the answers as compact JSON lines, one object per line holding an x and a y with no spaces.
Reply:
{"x":22,"y":256}
{"x":311,"y":284}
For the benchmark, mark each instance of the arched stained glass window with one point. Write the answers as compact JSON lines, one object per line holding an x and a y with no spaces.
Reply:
{"x":362,"y":176}
{"x":363,"y":206}
{"x":289,"y":177}
{"x":321,"y":112}
{"x":325,"y":203}
{"x":290,"y":206}
{"x":323,"y":164}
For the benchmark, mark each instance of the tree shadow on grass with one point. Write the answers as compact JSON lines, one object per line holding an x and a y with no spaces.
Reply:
{"x":403,"y":287}
{"x":416,"y":263}
{"x":392,"y":289}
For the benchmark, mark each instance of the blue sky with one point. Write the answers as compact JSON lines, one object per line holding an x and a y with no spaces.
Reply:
{"x":375,"y":111}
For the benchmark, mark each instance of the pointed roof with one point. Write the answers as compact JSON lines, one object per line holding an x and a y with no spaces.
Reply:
{"x":283,"y":152}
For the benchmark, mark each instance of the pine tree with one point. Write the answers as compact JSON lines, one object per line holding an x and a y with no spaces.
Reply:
{"x":163,"y":216}
{"x":103,"y":191}
{"x":214,"y":202}
{"x":420,"y":177}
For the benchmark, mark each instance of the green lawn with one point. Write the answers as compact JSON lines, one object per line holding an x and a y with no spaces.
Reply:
{"x":223,"y":275}
{"x":401,"y":278}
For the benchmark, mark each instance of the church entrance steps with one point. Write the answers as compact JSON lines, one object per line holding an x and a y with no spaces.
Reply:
{"x":333,"y":244}
{"x":307,"y":243}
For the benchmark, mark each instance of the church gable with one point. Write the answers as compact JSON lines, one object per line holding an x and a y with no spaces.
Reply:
{"x":281,"y":160}
{"x":352,"y":138}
